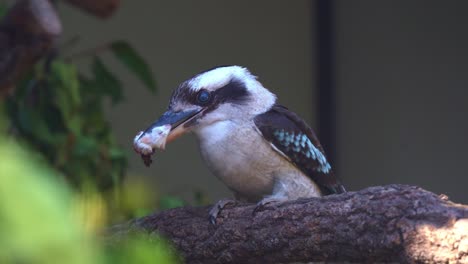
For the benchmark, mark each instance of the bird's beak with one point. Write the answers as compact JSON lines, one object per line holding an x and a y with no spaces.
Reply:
{"x":177,"y":120}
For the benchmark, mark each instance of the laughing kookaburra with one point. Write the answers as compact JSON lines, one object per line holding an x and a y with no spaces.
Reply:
{"x":262,"y":151}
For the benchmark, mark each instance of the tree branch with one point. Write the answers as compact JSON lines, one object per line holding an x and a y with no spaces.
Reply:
{"x":99,"y":8}
{"x":394,"y":223}
{"x":27,"y":33}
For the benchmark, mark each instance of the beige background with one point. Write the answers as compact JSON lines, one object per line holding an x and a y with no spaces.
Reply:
{"x":402,"y":75}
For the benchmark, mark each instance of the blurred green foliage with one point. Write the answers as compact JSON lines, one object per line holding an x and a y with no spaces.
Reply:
{"x":43,"y":221}
{"x":62,"y":171}
{"x":36,"y":223}
{"x":59,"y":112}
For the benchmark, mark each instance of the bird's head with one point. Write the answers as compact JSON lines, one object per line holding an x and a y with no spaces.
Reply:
{"x":226,"y":93}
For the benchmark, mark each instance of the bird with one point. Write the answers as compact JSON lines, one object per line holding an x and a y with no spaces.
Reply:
{"x":262,"y":151}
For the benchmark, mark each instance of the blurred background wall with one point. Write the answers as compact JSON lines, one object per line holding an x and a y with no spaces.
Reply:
{"x":402,"y":83}
{"x":399,"y":68}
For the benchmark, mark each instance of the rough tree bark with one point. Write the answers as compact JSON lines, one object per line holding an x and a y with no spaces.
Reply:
{"x":394,"y":223}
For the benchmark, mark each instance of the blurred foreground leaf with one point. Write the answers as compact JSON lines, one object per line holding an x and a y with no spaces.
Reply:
{"x":134,"y":62}
{"x":36,"y":225}
{"x":141,"y":249}
{"x":43,"y":221}
{"x":136,"y":197}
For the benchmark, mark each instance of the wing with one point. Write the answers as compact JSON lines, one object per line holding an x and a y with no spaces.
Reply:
{"x":296,"y":141}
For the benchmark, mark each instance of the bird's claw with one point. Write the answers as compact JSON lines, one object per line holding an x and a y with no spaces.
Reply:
{"x":217,"y":208}
{"x":263,"y":204}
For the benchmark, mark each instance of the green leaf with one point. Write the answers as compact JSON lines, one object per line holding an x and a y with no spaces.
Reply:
{"x":85,"y":146}
{"x":106,"y":81}
{"x":135,"y":63}
{"x":70,"y":117}
{"x":116,"y":153}
{"x":3,"y":10}
{"x":67,"y":76}
{"x":32,"y":123}
{"x":67,"y":97}
{"x":62,"y":92}
{"x":24,"y":85}
{"x":4,"y":124}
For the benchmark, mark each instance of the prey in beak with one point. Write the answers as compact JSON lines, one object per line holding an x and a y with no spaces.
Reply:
{"x":167,"y":128}
{"x":188,"y":107}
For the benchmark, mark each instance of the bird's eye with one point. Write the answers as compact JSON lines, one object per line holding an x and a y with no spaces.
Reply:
{"x":203,"y":96}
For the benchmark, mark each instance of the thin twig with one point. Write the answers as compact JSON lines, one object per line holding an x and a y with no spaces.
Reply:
{"x":69,"y":43}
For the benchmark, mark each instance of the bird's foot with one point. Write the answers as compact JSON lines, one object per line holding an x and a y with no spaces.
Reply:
{"x":218,"y":207}
{"x":263,"y":204}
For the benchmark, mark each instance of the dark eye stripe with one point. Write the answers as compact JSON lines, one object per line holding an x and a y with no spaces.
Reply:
{"x":234,"y":92}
